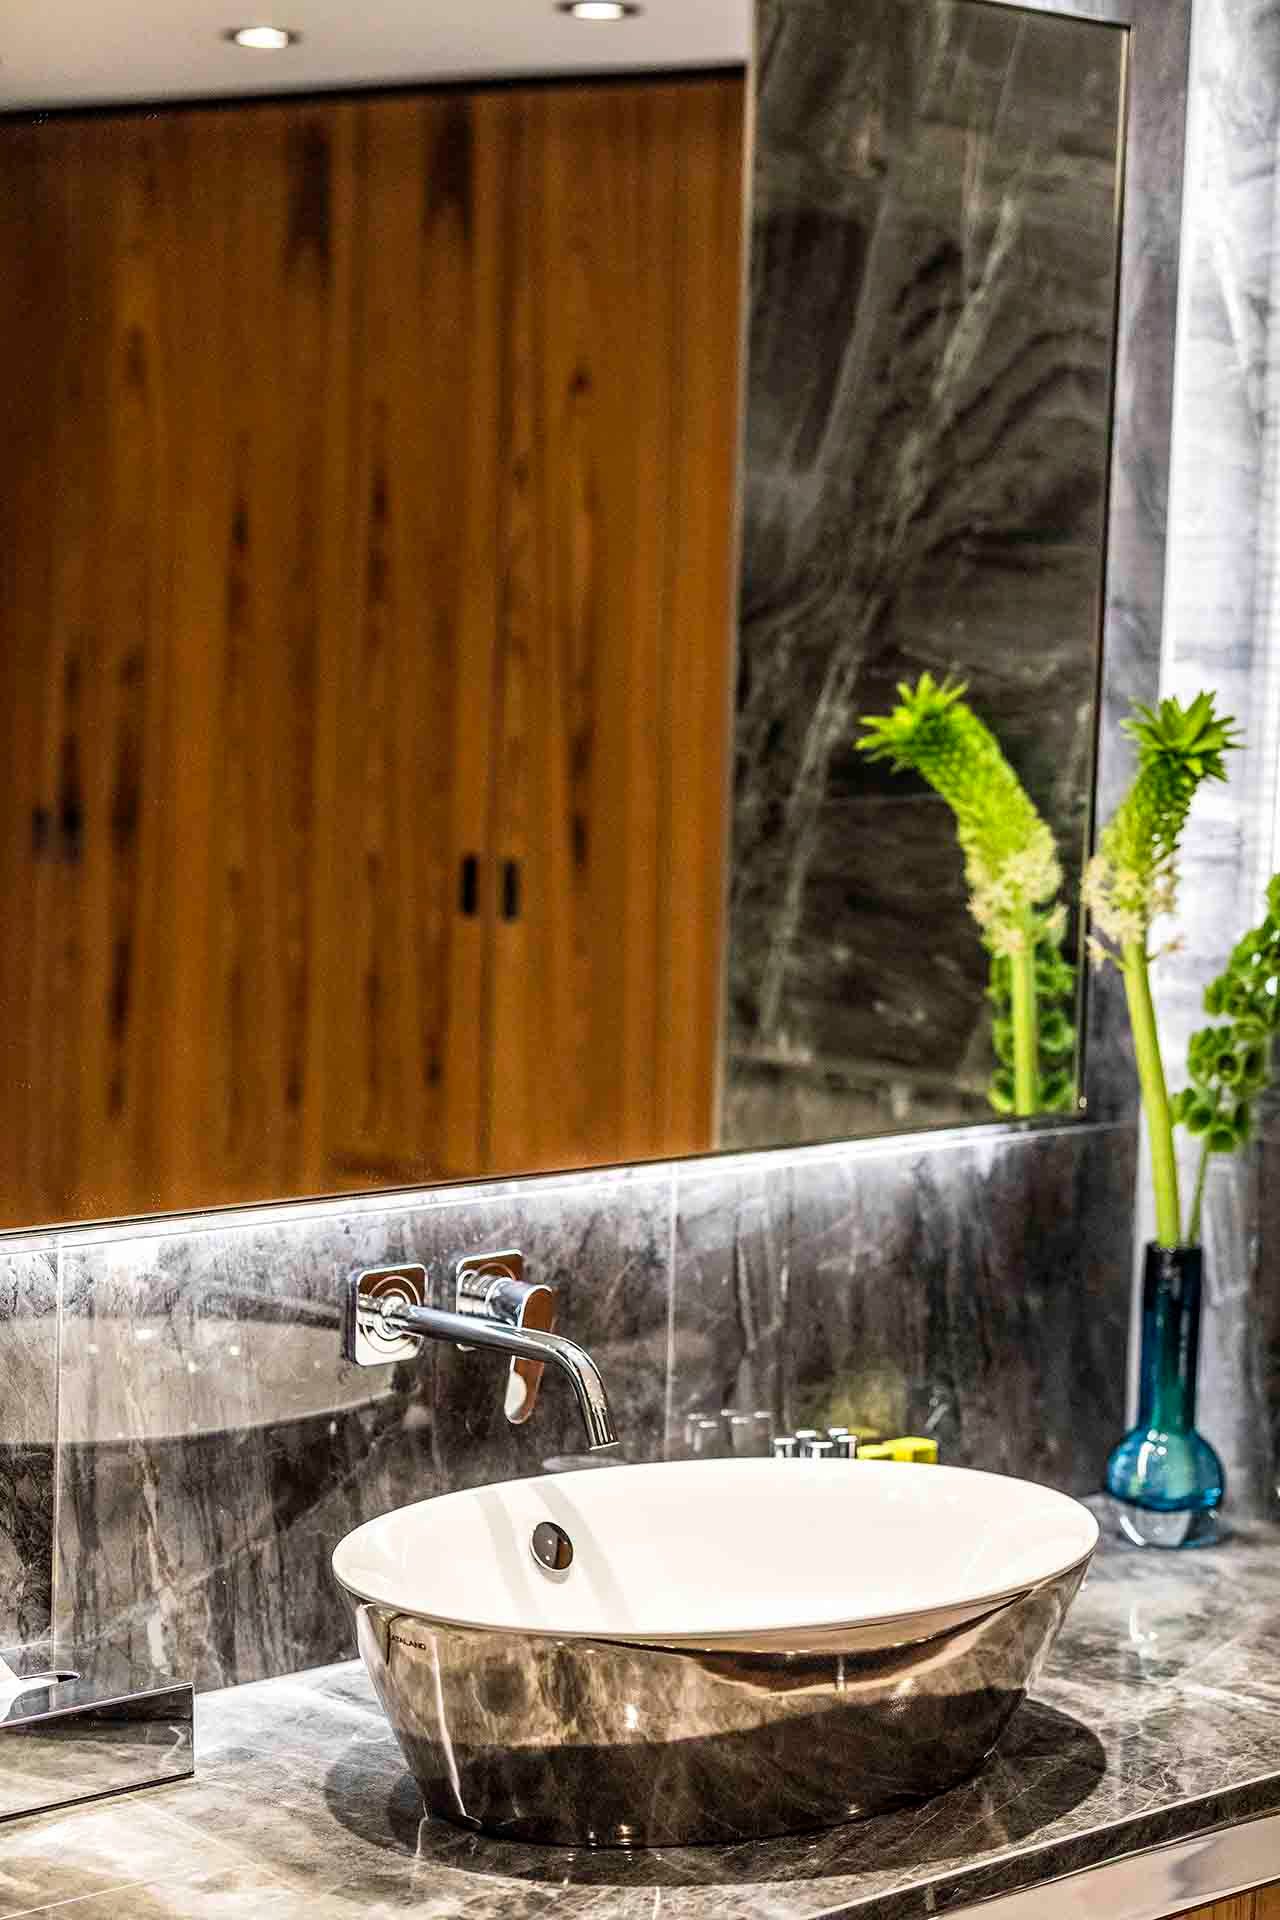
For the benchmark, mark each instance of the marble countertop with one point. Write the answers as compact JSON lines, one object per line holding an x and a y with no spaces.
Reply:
{"x":1158,"y":1718}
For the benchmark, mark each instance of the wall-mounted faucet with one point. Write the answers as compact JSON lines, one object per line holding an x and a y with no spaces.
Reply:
{"x":389,"y":1316}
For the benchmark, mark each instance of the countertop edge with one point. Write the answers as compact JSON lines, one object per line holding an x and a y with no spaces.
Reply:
{"x":1153,"y":1882}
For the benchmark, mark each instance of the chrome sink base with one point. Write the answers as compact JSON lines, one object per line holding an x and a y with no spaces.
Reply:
{"x":601,"y":1743}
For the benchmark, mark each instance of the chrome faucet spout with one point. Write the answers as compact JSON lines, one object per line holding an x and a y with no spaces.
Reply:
{"x":389,"y":1315}
{"x":521,"y":1343}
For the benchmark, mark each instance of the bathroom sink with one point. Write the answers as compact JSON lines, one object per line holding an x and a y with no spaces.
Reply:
{"x":708,"y":1650}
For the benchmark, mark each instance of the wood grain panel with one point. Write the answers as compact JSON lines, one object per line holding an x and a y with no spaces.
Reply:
{"x":621,"y":399}
{"x":366,"y":504}
{"x":698,"y":683}
{"x":1263,"y":1904}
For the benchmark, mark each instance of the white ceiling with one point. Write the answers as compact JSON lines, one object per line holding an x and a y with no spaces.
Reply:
{"x":67,"y":52}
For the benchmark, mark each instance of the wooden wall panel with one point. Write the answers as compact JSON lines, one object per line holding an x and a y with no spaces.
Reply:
{"x":1264,"y":1904}
{"x":697,"y":673}
{"x":621,"y":401}
{"x":34,"y":258}
{"x":365,"y":502}
{"x":412,"y":780}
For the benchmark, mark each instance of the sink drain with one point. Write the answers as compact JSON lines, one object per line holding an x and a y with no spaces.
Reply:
{"x":551,"y":1547}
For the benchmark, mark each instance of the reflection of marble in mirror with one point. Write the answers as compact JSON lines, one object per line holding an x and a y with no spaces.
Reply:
{"x":933,"y":285}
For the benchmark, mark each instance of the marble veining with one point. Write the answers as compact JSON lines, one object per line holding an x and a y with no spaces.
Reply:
{"x":215,"y":1448}
{"x":813,"y":198}
{"x":1155,"y":1719}
{"x":215,"y":1445}
{"x":933,"y":289}
{"x":977,"y":1292}
{"x":29,"y":1373}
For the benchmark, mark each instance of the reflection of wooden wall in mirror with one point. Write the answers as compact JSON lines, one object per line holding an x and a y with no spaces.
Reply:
{"x":366,"y":523}
{"x":1262,"y":1905}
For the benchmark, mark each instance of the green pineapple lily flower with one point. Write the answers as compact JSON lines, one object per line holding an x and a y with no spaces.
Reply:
{"x":1132,"y":881}
{"x":1014,"y":876}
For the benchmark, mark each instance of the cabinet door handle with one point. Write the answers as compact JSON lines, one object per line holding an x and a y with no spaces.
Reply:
{"x":511,"y":889}
{"x":469,"y":886}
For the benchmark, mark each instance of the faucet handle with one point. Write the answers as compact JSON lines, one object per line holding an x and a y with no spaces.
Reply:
{"x":493,"y":1286}
{"x":367,"y":1338}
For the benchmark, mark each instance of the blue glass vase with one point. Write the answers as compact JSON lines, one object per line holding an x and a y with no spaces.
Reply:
{"x":1165,"y":1480}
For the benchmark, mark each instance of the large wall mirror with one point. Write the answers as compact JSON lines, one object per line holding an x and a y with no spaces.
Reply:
{"x":429,"y":710}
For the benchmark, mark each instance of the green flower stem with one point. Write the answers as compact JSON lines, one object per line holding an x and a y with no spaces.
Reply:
{"x":1197,"y":1199}
{"x":1155,"y":1094}
{"x":1026,"y":1030}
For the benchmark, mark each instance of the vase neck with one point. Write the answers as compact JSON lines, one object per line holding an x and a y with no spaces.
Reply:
{"x":1170,"y":1338}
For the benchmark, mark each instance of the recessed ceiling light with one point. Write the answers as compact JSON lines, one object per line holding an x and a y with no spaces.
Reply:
{"x":265,"y":39}
{"x":598,"y":9}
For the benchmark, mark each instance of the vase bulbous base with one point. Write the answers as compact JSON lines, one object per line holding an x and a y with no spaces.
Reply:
{"x":1150,"y":1527}
{"x":1165,"y":1489}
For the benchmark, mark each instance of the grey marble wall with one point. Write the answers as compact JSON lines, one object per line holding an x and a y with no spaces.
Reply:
{"x":1239,"y":1405}
{"x":212,"y":1446}
{"x":28,"y":1434}
{"x":972,"y":1287}
{"x":1223,"y":534}
{"x":1222,"y":632}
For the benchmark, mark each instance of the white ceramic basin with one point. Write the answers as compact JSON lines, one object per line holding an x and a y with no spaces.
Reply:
{"x":724,"y":1553}
{"x":734,"y":1648}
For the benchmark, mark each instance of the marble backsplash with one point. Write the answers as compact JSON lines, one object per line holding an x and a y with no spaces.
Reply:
{"x":1240,"y":1353}
{"x":209,"y":1446}
{"x":970,"y":1291}
{"x":28,"y":1434}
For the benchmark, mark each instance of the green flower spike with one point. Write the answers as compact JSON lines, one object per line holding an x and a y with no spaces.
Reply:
{"x":1012,"y":868}
{"x":1133,"y":879}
